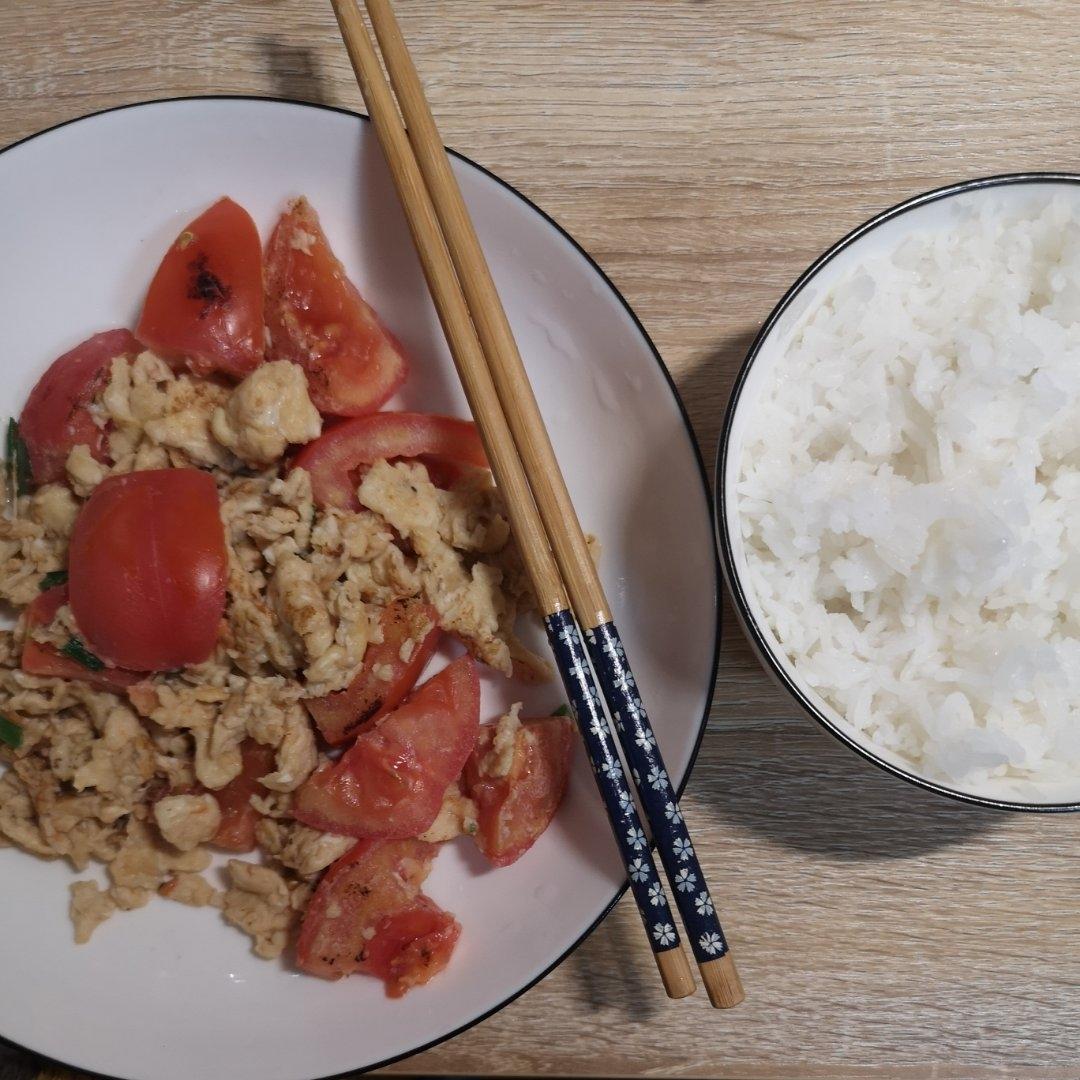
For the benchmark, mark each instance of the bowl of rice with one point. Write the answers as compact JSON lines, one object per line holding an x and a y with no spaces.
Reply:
{"x":899,"y":491}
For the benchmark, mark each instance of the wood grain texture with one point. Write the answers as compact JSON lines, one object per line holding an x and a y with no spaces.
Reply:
{"x":705,"y":151}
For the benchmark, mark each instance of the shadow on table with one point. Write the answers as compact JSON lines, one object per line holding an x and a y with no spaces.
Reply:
{"x":606,"y":986}
{"x":704,"y":389}
{"x":779,"y":775}
{"x":796,"y":787}
{"x":295,"y":71}
{"x":19,"y":1064}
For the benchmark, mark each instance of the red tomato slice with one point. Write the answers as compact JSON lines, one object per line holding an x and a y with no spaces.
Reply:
{"x":319,"y":320}
{"x":412,"y":946}
{"x":336,"y":457}
{"x":205,"y":304}
{"x":147,"y":569}
{"x":513,"y":810}
{"x":41,"y":659}
{"x":390,"y":782}
{"x":368,"y":915}
{"x":57,"y":417}
{"x":368,"y":698}
{"x":238,"y":817}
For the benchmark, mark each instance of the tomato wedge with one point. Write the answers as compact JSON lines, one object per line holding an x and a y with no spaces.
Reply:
{"x":368,"y":915}
{"x":411,"y":947}
{"x":390,"y":782}
{"x":513,"y":810}
{"x":205,"y":303}
{"x":238,"y":817}
{"x":147,"y":569}
{"x":41,"y":659}
{"x":319,"y":320}
{"x":335,"y":459}
{"x":57,"y":417}
{"x":370,"y":696}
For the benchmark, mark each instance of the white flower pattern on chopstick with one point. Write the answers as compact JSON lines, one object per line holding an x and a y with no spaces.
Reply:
{"x":631,"y":722}
{"x":712,"y":943}
{"x":611,"y":768}
{"x":642,"y":759}
{"x":664,"y":933}
{"x":685,"y":880}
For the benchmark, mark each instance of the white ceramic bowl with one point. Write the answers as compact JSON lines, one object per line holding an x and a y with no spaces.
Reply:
{"x":171,"y":992}
{"x":880,"y":235}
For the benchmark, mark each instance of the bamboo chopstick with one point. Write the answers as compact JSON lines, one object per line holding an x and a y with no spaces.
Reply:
{"x":525,"y":521}
{"x":560,"y":520}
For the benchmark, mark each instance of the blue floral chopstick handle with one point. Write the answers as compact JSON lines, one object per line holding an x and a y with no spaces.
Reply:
{"x":588,"y":710}
{"x":656,"y":793}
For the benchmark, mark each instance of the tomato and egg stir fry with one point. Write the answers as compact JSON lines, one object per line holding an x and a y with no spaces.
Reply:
{"x":231,"y":571}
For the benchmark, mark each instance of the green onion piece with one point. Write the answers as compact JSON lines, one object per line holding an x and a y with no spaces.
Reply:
{"x":562,"y":710}
{"x":52,"y":579}
{"x":10,"y":733}
{"x":18,"y":460}
{"x":77,"y":651}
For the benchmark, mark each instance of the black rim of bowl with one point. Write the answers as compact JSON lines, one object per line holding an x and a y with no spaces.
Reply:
{"x":731,"y":575}
{"x":707,"y":494}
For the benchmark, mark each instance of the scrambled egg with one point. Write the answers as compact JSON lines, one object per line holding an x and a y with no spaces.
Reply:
{"x":132,"y":780}
{"x":186,"y":821}
{"x":457,"y":816}
{"x":305,"y":850}
{"x":499,"y":760}
{"x":28,"y":551}
{"x":264,"y":904}
{"x":269,"y":410}
{"x":467,"y":598}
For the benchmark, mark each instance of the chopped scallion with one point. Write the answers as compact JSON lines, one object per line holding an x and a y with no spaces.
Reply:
{"x":562,"y":710}
{"x":10,"y":733}
{"x":18,"y":461}
{"x":52,"y":579}
{"x":77,"y":651}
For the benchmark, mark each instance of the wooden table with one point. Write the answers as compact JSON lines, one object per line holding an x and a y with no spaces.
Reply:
{"x":704,"y":152}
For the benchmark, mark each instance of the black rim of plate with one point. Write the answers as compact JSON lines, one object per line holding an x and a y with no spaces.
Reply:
{"x":705,"y":488}
{"x":734,"y":581}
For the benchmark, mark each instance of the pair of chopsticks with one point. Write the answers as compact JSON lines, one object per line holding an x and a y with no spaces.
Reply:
{"x":541,"y":514}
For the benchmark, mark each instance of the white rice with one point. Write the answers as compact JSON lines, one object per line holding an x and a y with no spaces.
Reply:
{"x":909,"y":496}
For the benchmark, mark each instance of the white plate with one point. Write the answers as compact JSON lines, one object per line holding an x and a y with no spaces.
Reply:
{"x":171,"y":992}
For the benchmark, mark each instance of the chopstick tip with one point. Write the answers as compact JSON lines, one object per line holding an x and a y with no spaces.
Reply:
{"x":722,"y":982}
{"x":675,"y":972}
